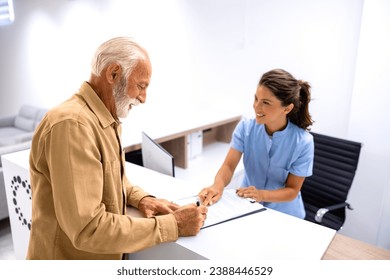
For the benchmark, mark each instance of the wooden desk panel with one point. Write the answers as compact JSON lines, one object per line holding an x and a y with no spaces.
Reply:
{"x":178,"y":148}
{"x":345,"y":248}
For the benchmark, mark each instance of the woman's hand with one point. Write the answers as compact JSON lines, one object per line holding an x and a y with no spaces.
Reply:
{"x":251,"y":192}
{"x":210,"y":195}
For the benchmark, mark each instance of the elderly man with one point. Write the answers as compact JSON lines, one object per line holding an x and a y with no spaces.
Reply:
{"x":79,"y":187}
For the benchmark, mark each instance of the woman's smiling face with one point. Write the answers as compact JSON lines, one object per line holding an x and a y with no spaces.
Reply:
{"x":269,"y":110}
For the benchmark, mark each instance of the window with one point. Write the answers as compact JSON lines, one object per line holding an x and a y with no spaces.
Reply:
{"x":6,"y":12}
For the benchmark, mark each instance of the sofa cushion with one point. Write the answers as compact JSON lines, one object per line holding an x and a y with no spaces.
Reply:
{"x":7,"y":121}
{"x":40,"y":114}
{"x":26,"y":118}
{"x":10,"y":131}
{"x":29,"y":112}
{"x":16,"y":139}
{"x":24,"y":123}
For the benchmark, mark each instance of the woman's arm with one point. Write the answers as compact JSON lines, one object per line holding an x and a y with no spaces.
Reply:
{"x":289,"y":192}
{"x":213,"y":193}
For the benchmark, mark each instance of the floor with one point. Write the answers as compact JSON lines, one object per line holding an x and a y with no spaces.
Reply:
{"x":6,"y":246}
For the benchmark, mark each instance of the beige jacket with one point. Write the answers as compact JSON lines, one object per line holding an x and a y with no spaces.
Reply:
{"x":80,"y":191}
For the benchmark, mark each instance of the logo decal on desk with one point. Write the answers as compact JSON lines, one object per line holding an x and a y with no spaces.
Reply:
{"x":21,"y":189}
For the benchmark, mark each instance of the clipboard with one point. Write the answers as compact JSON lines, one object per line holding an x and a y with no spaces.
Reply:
{"x":228,"y":208}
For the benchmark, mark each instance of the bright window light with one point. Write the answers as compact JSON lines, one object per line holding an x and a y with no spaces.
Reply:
{"x":6,"y":12}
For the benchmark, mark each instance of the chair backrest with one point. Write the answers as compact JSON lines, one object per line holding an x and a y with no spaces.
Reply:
{"x":334,"y":168}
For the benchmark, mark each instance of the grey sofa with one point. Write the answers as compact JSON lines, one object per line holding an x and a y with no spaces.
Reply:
{"x":20,"y":128}
{"x":16,"y":133}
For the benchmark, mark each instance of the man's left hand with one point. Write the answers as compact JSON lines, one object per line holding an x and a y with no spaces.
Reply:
{"x":151,"y":206}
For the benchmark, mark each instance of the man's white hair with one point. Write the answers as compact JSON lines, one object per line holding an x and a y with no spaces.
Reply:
{"x":122,"y":50}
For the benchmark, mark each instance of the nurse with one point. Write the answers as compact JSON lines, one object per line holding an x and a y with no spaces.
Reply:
{"x":278,"y":150}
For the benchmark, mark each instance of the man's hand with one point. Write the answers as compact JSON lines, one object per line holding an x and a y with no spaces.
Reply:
{"x":151,"y":206}
{"x":190,"y":219}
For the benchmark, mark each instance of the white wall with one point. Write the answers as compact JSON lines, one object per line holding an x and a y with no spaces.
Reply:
{"x":369,"y":122}
{"x":234,"y":43}
{"x":212,"y":53}
{"x":46,"y":53}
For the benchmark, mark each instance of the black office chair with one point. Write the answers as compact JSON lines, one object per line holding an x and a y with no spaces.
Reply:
{"x":325,"y":193}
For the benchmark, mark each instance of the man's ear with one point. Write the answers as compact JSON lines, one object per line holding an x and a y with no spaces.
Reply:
{"x":113,"y":73}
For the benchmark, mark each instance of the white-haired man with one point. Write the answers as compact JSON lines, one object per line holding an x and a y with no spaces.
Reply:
{"x":79,"y":187}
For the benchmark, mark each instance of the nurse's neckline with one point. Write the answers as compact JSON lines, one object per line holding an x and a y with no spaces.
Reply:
{"x":270,"y":133}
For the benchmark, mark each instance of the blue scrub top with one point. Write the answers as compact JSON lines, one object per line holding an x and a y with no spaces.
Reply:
{"x":269,"y":160}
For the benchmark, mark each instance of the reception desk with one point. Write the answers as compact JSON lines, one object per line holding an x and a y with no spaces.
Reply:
{"x":267,"y":235}
{"x":264,"y":235}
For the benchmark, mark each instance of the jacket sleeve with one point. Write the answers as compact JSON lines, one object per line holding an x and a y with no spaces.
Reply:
{"x":134,"y":194}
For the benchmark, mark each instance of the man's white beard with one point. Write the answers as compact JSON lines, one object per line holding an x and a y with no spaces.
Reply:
{"x":122,"y":100}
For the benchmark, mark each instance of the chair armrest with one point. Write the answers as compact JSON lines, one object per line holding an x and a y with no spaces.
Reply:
{"x":7,"y":121}
{"x":322,"y":211}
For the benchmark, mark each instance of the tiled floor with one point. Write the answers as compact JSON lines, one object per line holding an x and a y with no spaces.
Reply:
{"x":6,"y":246}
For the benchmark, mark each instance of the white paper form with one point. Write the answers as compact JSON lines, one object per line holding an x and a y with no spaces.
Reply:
{"x":229,"y":207}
